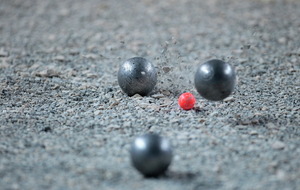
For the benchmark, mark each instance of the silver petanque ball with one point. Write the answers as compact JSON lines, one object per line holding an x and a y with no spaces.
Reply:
{"x":137,"y":76}
{"x":215,"y":80}
{"x":151,"y":154}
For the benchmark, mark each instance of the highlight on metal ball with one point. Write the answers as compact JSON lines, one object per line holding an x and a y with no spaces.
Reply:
{"x":215,"y":80}
{"x":151,"y":154}
{"x":137,"y":76}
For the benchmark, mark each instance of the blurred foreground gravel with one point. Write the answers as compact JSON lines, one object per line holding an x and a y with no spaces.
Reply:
{"x":66,"y":124}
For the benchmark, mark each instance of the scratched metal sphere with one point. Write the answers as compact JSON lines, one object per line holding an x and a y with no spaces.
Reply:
{"x":137,"y":76}
{"x":215,"y":80}
{"x":151,"y":154}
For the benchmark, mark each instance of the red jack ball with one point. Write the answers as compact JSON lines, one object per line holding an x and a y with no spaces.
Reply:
{"x":186,"y":101}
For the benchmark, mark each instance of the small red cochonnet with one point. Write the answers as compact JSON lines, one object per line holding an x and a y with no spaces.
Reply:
{"x":186,"y":101}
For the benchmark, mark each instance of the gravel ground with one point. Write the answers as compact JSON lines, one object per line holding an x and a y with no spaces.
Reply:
{"x":65,"y":123}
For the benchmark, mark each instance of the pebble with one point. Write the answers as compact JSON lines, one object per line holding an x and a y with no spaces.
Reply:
{"x":74,"y":52}
{"x":264,"y":108}
{"x":90,"y":56}
{"x":243,"y":60}
{"x":253,"y":133}
{"x":155,"y":129}
{"x":174,"y":120}
{"x":242,"y":127}
{"x":59,"y":58}
{"x":4,"y":64}
{"x":281,"y":175}
{"x":166,"y":92}
{"x":157,"y":96}
{"x":137,"y":96}
{"x":166,"y":69}
{"x":97,"y":112}
{"x":229,"y":99}
{"x":278,"y":145}
{"x":282,"y":40}
{"x":127,"y":124}
{"x":271,"y":126}
{"x":3,"y":53}
{"x":167,"y":101}
{"x":154,"y":107}
{"x":144,"y":105}
{"x":48,"y":73}
{"x":113,"y":126}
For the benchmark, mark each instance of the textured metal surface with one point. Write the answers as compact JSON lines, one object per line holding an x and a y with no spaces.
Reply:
{"x":137,"y":76}
{"x":151,"y":154}
{"x":215,"y":80}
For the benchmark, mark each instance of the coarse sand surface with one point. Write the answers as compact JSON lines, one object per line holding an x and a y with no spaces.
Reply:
{"x":65,"y":124}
